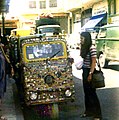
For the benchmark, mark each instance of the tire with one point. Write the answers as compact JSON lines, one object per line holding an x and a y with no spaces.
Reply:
{"x":48,"y":111}
{"x":103,"y":62}
{"x":55,"y":111}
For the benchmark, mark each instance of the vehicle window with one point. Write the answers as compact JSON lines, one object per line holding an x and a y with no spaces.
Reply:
{"x":44,"y":51}
{"x":113,"y":32}
{"x":102,"y":33}
{"x":51,"y":30}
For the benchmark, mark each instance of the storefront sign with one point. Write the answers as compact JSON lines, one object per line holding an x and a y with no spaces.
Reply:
{"x":100,"y":8}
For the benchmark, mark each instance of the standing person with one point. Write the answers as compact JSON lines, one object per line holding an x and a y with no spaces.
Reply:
{"x":2,"y":75}
{"x":2,"y":80}
{"x":88,"y":53}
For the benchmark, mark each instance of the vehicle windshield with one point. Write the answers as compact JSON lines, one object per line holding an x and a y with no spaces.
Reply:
{"x":44,"y":51}
{"x":50,"y":30}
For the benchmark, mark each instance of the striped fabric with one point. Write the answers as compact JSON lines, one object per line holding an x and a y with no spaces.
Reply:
{"x":91,"y":53}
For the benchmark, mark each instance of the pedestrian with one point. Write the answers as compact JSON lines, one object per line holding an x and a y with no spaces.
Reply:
{"x":2,"y":80}
{"x":88,"y":53}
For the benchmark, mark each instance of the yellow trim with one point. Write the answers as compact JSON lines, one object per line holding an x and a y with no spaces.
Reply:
{"x":50,"y":42}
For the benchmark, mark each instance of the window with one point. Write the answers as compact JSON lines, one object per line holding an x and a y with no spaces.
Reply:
{"x":117,"y":8}
{"x":42,"y":4}
{"x":112,"y":7}
{"x":77,"y":17}
{"x":44,"y":51}
{"x":52,"y":3}
{"x":54,"y":30}
{"x":102,"y":33}
{"x":32,"y":4}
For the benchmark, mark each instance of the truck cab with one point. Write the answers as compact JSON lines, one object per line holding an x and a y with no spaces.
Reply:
{"x":49,"y":30}
{"x":48,"y":26}
{"x":107,"y":44}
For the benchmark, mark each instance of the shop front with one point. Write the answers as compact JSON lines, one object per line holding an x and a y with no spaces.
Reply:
{"x":95,"y":23}
{"x":98,"y":18}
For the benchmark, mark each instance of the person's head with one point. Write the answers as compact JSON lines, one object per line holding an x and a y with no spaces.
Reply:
{"x":86,"y":43}
{"x":86,"y":38}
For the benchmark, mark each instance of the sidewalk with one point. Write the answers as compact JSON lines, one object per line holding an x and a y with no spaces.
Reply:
{"x":11,"y":108}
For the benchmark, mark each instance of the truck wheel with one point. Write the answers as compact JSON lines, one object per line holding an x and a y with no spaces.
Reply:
{"x":55,"y":111}
{"x":48,"y":111}
{"x":103,"y":62}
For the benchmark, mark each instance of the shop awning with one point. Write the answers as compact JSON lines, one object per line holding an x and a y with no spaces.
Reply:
{"x":93,"y":22}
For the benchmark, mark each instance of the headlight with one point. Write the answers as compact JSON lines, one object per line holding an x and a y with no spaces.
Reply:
{"x":68,"y":93}
{"x":33,"y":96}
{"x":49,"y":79}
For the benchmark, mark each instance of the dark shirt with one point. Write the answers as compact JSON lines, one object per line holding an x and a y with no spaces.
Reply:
{"x":2,"y":75}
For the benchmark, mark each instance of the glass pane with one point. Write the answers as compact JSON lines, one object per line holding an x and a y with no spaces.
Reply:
{"x":52,"y":3}
{"x":44,"y":51}
{"x":102,"y":33}
{"x":32,"y":4}
{"x":42,"y":4}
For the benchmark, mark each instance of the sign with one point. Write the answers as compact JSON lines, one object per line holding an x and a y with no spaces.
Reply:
{"x":100,"y":8}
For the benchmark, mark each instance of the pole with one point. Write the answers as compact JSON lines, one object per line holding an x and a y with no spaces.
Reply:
{"x":3,"y":24}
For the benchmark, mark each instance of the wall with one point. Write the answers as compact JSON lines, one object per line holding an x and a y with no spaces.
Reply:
{"x":100,"y":8}
{"x":114,"y":18}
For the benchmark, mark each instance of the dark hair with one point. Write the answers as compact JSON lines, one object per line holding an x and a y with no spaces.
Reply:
{"x":87,"y":44}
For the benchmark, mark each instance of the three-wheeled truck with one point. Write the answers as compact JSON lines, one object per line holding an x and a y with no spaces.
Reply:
{"x":42,"y":71}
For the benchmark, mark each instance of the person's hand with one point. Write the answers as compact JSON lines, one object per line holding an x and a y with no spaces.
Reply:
{"x":2,"y":45}
{"x":89,"y":77}
{"x":12,"y":71}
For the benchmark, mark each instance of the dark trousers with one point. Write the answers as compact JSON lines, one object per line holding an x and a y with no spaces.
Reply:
{"x":92,"y":105}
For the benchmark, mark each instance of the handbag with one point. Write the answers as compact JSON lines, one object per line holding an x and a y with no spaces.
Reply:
{"x":98,"y":79}
{"x":78,"y":62}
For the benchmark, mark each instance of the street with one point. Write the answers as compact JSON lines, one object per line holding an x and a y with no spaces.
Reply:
{"x":108,"y":96}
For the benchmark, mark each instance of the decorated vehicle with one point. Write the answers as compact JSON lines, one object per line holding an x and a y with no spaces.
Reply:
{"x":43,"y":71}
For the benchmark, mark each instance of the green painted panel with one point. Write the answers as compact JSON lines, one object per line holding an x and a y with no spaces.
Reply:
{"x":108,"y":46}
{"x":113,"y":32}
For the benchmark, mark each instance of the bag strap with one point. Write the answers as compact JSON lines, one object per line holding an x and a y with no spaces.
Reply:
{"x":7,"y":59}
{"x":97,"y":61}
{"x":98,"y":64}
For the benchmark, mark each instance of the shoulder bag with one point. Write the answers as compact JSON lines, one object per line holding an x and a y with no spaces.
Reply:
{"x":98,"y":79}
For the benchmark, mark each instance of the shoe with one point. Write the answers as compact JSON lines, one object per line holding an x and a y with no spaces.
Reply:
{"x":84,"y":115}
{"x":97,"y":119}
{"x":3,"y":118}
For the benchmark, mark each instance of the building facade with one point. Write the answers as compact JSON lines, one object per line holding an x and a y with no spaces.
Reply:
{"x":113,"y":16}
{"x":34,"y":9}
{"x":72,"y":15}
{"x":97,"y":13}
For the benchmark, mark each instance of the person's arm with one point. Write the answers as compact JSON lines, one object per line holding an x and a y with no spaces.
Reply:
{"x":93,"y":64}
